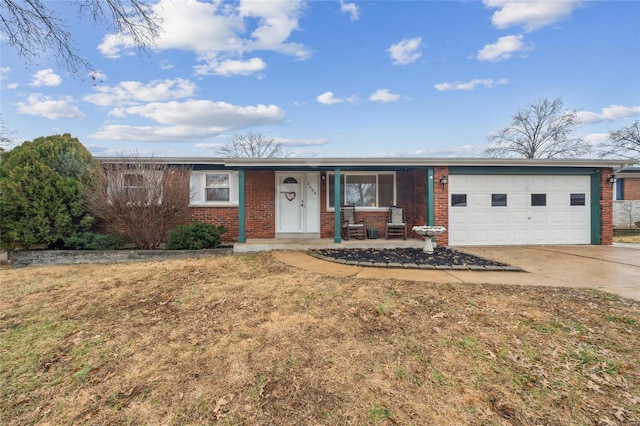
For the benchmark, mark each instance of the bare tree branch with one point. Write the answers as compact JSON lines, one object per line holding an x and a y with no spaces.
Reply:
{"x":142,"y":198}
{"x":623,"y":143}
{"x":7,"y":139}
{"x":542,"y":130}
{"x":33,"y":29}
{"x":252,"y":145}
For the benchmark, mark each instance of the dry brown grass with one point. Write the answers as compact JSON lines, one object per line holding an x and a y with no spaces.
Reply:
{"x":246,"y":340}
{"x":633,"y":239}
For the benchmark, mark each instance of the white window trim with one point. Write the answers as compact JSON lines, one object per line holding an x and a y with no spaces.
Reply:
{"x":362,"y":173}
{"x":233,"y":190}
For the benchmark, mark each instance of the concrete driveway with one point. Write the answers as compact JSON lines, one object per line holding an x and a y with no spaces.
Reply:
{"x":607,"y":268}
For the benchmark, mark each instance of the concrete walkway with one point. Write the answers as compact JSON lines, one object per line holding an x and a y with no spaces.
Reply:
{"x":612,"y":269}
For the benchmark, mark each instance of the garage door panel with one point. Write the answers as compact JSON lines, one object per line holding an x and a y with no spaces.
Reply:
{"x":518,"y":218}
{"x":517,"y":200}
{"x":537,"y":185}
{"x":500,"y":219}
{"x":557,"y":199}
{"x":519,"y":222}
{"x":579,"y":216}
{"x":538,"y":236}
{"x":515,"y":183}
{"x":519,"y":236}
{"x":478,"y":200}
{"x":558,"y":218}
{"x":479,"y":218}
{"x":478,"y":235}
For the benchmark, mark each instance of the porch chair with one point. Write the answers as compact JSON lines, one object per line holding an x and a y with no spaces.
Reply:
{"x":350,"y":226}
{"x":396,"y":225}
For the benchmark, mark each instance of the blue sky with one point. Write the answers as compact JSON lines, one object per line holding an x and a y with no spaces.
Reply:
{"x":334,"y":78}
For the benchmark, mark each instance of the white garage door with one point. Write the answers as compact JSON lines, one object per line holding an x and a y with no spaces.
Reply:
{"x":515,"y":209}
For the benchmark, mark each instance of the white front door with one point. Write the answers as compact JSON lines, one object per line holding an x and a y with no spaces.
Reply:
{"x":298,"y":204}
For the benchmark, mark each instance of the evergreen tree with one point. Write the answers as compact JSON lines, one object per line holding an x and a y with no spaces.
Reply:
{"x":41,"y":192}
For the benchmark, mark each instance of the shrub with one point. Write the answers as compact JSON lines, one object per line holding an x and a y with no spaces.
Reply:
{"x":93,"y":241}
{"x":140,"y":198}
{"x":41,"y":192}
{"x":195,"y":236}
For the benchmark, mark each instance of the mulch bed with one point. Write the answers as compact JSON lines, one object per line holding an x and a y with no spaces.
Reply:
{"x":442,"y":258}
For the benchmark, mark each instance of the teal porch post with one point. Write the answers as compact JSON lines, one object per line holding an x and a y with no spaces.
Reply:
{"x":336,"y":204}
{"x":430,"y":207}
{"x":241,"y":208}
{"x":595,"y":208}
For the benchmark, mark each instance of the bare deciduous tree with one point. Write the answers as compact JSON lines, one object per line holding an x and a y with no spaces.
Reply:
{"x":623,"y":143}
{"x":142,"y":198}
{"x":7,"y":139}
{"x":32,"y":28}
{"x":252,"y":145}
{"x":542,"y":130}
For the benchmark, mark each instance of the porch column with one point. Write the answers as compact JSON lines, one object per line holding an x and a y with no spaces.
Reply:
{"x":595,"y":207}
{"x":430,"y":199}
{"x":336,"y":204}
{"x":241,"y":208}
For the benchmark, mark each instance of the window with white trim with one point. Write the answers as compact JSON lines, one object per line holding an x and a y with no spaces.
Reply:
{"x":363,"y":189}
{"x":134,"y":187}
{"x":214,"y":187}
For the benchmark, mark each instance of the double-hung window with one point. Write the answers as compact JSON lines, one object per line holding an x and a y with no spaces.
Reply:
{"x":216,"y":187}
{"x":363,"y":189}
{"x":134,"y":187}
{"x":213,"y":187}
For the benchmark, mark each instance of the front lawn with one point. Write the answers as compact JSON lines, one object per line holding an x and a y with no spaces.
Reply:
{"x":246,"y":340}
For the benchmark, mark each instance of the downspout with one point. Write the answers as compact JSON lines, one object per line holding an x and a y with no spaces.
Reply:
{"x":241,"y":208}
{"x":336,"y":204}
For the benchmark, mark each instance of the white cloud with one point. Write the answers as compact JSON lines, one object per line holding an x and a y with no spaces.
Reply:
{"x":302,"y":142}
{"x":503,"y":49}
{"x":181,"y":121}
{"x":4,"y":72}
{"x":351,"y":9}
{"x":44,"y":106}
{"x":595,"y":139}
{"x":217,"y":32}
{"x":531,"y":15}
{"x":97,"y":76}
{"x":166,"y":65}
{"x":327,"y":98}
{"x":128,"y":92}
{"x":45,"y":78}
{"x":610,"y":113}
{"x":455,"y":151}
{"x":209,"y":146}
{"x":406,"y":51}
{"x":231,"y":67}
{"x":384,"y":95}
{"x":470,"y":85}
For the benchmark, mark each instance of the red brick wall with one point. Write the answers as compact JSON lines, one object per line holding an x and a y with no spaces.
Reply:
{"x":606,"y":208}
{"x":260,"y":202}
{"x":227,"y":216}
{"x":441,"y":203}
{"x":631,"y":188}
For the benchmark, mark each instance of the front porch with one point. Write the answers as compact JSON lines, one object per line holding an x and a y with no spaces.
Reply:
{"x":269,"y":244}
